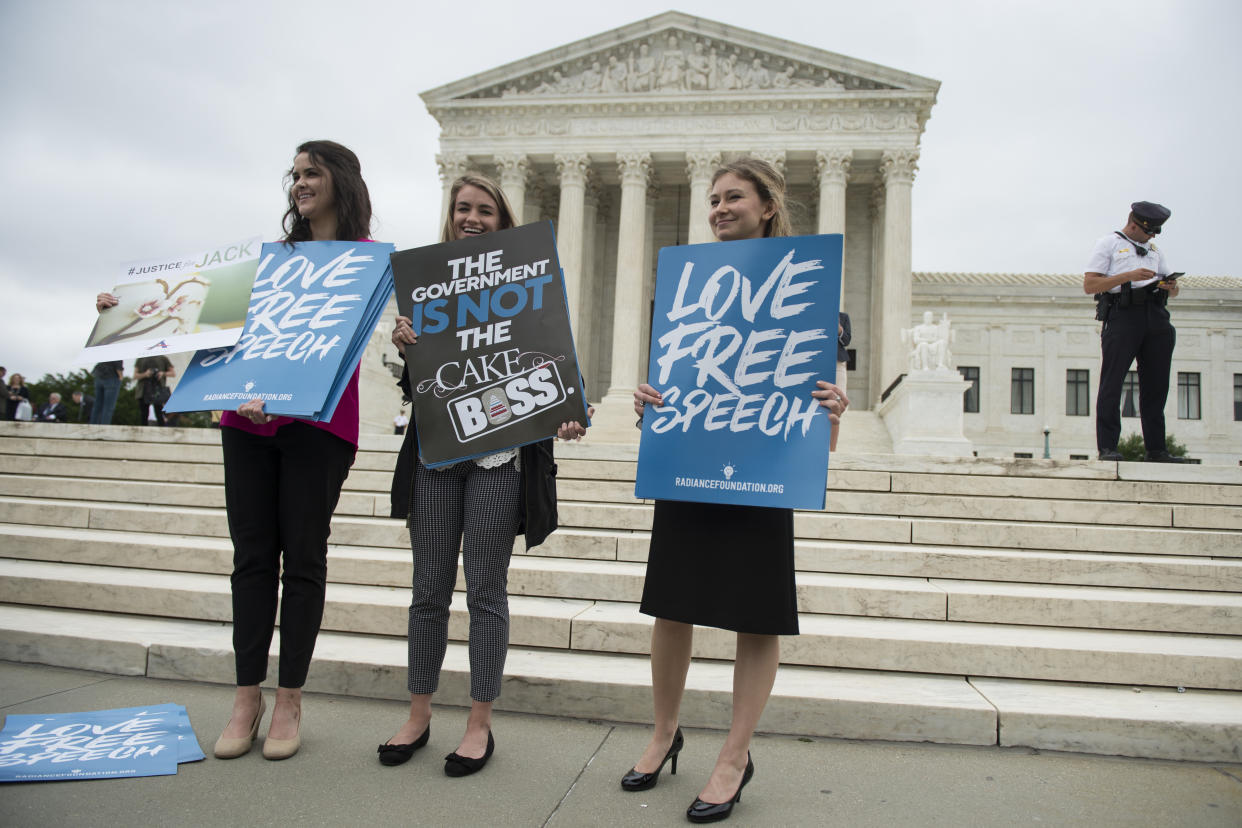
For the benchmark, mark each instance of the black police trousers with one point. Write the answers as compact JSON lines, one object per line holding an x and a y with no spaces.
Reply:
{"x":1141,"y":332}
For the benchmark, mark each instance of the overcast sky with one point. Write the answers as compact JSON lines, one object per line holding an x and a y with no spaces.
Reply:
{"x":134,"y":130}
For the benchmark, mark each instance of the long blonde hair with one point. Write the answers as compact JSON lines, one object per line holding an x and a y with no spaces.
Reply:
{"x":488,"y":186}
{"x":769,"y":184}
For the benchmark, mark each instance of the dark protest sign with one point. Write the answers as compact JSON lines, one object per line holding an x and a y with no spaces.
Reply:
{"x":494,"y":366}
{"x":742,"y":332}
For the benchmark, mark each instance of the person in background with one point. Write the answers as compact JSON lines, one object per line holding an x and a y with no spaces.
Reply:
{"x":1127,"y":274}
{"x":844,"y":336}
{"x":53,"y":411}
{"x":399,"y":423}
{"x":4,"y":397}
{"x":85,"y":404}
{"x":107,"y":375}
{"x":18,"y":394}
{"x":151,"y":374}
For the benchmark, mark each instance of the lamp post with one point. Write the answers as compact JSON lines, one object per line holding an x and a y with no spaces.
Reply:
{"x":1047,"y":453}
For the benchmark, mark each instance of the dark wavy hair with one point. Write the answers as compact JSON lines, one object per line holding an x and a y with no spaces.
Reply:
{"x":349,"y":193}
{"x":769,"y":184}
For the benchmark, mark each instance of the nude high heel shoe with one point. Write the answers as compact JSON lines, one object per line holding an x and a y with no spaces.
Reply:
{"x":231,"y":748}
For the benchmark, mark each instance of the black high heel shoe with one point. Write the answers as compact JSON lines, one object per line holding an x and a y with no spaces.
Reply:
{"x":400,"y":754}
{"x":455,"y":765}
{"x":635,"y":781}
{"x":700,"y":811}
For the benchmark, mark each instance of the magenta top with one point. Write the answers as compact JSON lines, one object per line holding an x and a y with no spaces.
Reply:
{"x":344,"y":422}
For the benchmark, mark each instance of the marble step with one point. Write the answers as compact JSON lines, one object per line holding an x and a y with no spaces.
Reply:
{"x":1137,"y":491}
{"x":1097,"y":608}
{"x":390,"y":565}
{"x":25,"y":438}
{"x":847,"y":503}
{"x":1174,"y":571}
{"x":375,"y":610}
{"x":159,"y":493}
{"x":589,"y":568}
{"x":1080,"y":483}
{"x":998,"y":650}
{"x":1216,"y":612}
{"x":607,"y":626}
{"x":539,"y":589}
{"x":209,"y":495}
{"x":1152,"y":722}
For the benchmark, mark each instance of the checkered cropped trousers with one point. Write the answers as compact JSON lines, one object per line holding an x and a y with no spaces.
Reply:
{"x":477,"y":510}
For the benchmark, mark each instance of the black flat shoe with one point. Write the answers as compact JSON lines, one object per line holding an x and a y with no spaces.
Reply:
{"x":455,"y":765}
{"x":400,"y":754}
{"x":701,"y":811}
{"x":635,"y":781}
{"x":1164,"y":457}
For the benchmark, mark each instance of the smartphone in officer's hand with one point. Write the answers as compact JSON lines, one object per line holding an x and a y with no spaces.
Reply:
{"x":1171,"y":279}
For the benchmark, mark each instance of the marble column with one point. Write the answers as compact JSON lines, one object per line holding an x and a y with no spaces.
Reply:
{"x":615,"y":415}
{"x":451,"y":167}
{"x":532,"y":205}
{"x":649,"y":266}
{"x":833,"y":168}
{"x":587,"y":314}
{"x":699,"y":167}
{"x":514,"y":171}
{"x":574,"y":169}
{"x":598,"y":332}
{"x":875,"y":208}
{"x":897,"y":168}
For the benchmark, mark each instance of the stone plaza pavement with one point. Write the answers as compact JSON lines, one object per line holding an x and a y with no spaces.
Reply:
{"x":553,"y":771}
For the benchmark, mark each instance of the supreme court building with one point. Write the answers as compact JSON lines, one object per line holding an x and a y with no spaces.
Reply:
{"x":614,"y":139}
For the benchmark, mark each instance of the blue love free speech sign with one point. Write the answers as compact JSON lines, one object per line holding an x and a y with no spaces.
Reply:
{"x":742,"y":332}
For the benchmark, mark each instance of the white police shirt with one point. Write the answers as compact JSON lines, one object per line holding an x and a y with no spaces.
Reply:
{"x":1115,"y":254}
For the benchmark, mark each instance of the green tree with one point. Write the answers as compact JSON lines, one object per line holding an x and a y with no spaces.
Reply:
{"x":1132,"y":448}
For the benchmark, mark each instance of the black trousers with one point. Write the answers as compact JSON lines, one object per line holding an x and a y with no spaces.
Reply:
{"x":280,"y":492}
{"x":1143,"y":333}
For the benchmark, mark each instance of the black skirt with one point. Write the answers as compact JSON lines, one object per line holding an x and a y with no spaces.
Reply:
{"x":722,"y":566}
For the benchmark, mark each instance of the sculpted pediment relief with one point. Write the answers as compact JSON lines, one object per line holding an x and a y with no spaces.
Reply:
{"x":675,"y":54}
{"x":674,"y":62}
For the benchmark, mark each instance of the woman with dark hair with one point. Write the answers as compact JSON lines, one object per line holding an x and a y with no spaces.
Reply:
{"x":719,"y":565}
{"x":478,"y":506}
{"x":282,"y":480}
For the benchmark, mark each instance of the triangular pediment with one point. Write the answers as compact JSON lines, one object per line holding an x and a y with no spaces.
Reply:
{"x":677,"y":54}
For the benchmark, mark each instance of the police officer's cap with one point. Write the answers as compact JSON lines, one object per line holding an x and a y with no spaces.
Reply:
{"x":1149,"y":215}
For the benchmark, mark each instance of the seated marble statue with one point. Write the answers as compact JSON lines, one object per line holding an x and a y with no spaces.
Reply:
{"x":929,"y":344}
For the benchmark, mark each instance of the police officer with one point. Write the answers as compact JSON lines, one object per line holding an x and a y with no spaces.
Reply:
{"x":1127,"y":273}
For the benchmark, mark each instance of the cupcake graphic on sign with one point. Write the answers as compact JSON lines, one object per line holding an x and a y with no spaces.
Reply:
{"x":497,"y":406}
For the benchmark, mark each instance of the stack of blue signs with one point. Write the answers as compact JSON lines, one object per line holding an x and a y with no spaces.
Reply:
{"x":312,"y":311}
{"x":100,"y":744}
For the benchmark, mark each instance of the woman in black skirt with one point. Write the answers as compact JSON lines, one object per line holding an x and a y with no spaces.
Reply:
{"x":719,"y":565}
